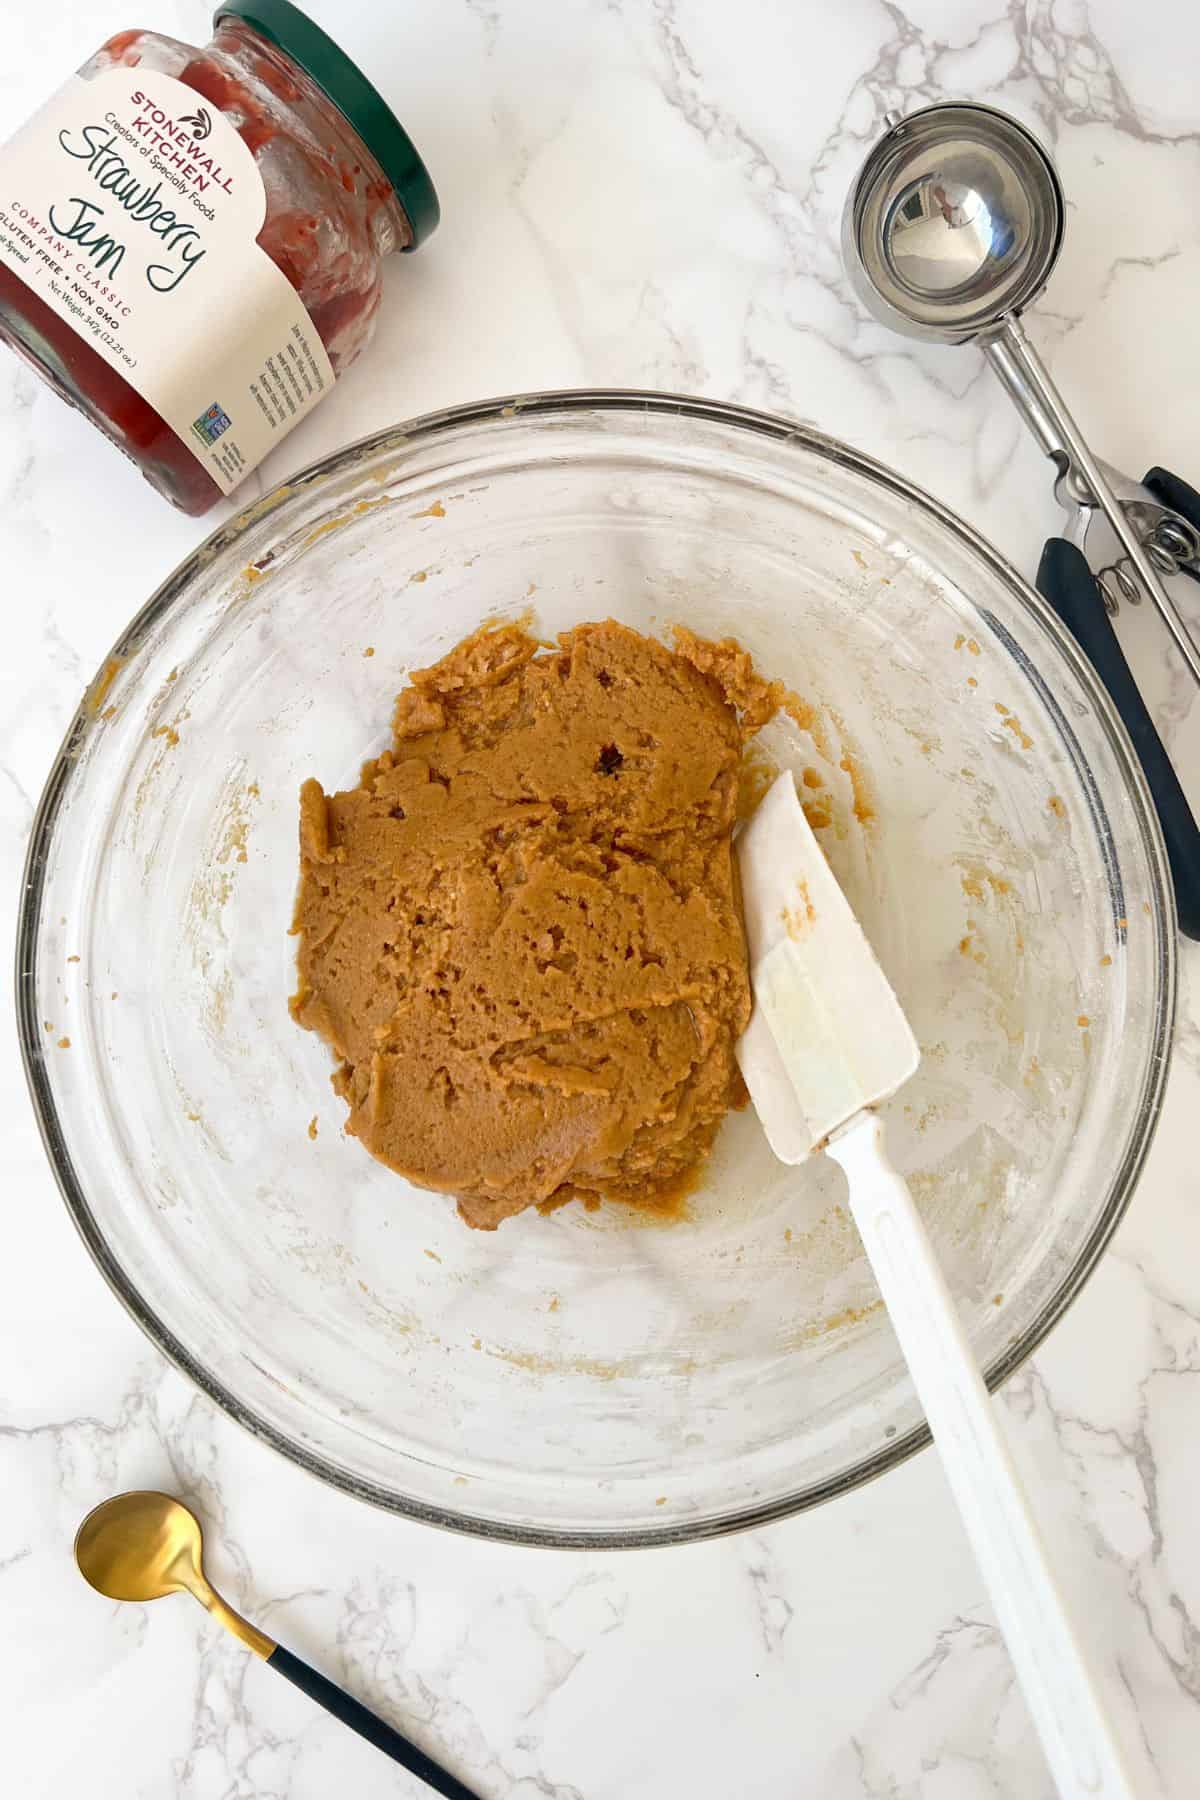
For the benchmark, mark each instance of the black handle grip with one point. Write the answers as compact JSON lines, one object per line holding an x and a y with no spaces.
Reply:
{"x":1066,"y":581}
{"x":1174,"y":493}
{"x":352,"y":1713}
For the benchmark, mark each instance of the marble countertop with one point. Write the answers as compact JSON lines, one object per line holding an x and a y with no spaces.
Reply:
{"x":639,"y":193}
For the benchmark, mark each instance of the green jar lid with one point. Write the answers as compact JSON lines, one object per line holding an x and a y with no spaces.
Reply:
{"x":346,"y":85}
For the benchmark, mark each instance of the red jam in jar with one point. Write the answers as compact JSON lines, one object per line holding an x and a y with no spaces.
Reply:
{"x":191,"y":241}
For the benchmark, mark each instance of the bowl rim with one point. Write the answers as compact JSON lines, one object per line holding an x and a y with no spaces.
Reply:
{"x":400,"y":440}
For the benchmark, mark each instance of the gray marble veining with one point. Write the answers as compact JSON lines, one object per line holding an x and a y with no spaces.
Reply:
{"x":636,"y":192}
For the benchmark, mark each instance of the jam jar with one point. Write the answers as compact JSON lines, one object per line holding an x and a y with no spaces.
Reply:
{"x":191,"y":240}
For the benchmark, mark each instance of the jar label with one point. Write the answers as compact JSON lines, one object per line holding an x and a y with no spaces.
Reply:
{"x":131,"y":208}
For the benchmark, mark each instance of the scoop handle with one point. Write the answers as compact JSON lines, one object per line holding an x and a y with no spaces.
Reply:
{"x":1067,"y":582}
{"x":1028,"y":382}
{"x":1076,"y":1735}
{"x":1179,"y":496}
{"x":359,"y":1718}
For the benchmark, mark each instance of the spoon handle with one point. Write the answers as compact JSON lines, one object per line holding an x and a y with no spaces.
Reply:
{"x":352,"y":1713}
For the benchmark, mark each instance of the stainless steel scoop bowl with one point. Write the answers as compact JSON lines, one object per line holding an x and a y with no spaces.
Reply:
{"x":951,"y":230}
{"x":955,"y":221}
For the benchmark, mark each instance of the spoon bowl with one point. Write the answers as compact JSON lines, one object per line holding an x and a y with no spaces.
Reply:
{"x":141,"y":1546}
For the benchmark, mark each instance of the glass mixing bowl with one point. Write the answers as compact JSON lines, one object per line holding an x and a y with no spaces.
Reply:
{"x":591,"y":1378}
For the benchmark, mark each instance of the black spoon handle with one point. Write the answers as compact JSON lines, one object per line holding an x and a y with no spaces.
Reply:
{"x":352,"y":1713}
{"x":1067,"y":582}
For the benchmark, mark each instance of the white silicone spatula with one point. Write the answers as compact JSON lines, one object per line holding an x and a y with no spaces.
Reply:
{"x":826,"y":1043}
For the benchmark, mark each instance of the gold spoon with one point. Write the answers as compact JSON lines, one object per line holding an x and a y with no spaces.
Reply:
{"x":141,"y":1546}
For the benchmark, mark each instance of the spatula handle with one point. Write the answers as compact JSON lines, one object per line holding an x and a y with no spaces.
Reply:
{"x":1075,"y":1732}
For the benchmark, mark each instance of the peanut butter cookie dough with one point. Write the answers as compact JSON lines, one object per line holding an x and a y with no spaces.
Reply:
{"x":520,"y":934}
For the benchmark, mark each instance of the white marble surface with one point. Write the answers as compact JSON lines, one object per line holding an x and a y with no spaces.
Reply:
{"x":636,"y":192}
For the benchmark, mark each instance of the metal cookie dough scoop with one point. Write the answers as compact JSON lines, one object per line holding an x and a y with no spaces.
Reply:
{"x":950,"y":231}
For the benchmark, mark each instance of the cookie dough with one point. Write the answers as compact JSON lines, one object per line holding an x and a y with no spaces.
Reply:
{"x":520,"y":932}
